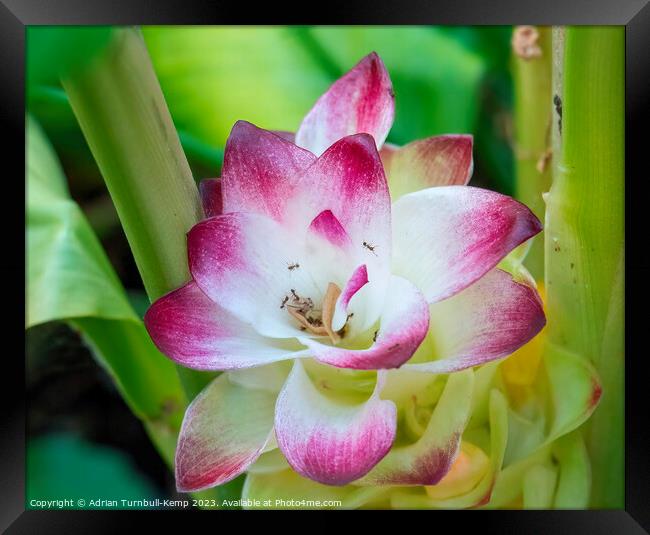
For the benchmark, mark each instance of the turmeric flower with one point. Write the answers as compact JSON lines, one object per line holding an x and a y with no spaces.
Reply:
{"x":314,"y":279}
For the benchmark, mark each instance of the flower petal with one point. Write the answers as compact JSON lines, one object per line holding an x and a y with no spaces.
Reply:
{"x":260,"y":171}
{"x":331,"y":258}
{"x":329,"y":251}
{"x":428,"y":460}
{"x":211,"y":198}
{"x":467,"y":471}
{"x":224,"y":430}
{"x":197,"y":333}
{"x":575,"y":389}
{"x":489,"y":320}
{"x":446,"y":238}
{"x":327,"y":441}
{"x":270,"y":377}
{"x":357,"y":281}
{"x":434,"y":161}
{"x":362,"y":101}
{"x":348,"y":181}
{"x":414,"y":497}
{"x":241,"y":261}
{"x":403,"y":325}
{"x":327,"y":227}
{"x":289,"y":136}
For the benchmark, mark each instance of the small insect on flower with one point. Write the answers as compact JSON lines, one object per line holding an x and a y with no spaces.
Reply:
{"x":370,"y":247}
{"x":293,"y":266}
{"x":301,"y":304}
{"x":284,"y":301}
{"x":374,"y":337}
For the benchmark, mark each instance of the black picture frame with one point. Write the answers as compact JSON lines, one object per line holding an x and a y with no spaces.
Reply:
{"x":15,"y":15}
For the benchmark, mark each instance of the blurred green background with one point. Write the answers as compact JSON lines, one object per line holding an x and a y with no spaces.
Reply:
{"x":82,"y":438}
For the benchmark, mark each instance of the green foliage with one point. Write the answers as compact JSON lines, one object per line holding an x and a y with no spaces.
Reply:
{"x":123,"y":115}
{"x":445,"y":81}
{"x":68,"y":273}
{"x":272,"y":76}
{"x":65,"y":466}
{"x":212,"y":77}
{"x":59,"y":50}
{"x":70,"y":278}
{"x":448,"y":80}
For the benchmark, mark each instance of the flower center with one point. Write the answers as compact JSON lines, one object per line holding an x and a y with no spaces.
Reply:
{"x":311,"y":319}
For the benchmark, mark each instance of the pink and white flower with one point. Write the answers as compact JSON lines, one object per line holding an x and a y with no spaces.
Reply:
{"x":311,"y":255}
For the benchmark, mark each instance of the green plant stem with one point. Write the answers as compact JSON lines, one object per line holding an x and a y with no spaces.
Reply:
{"x":532,"y":121}
{"x":584,"y":236}
{"x":122,"y":112}
{"x":123,"y":115}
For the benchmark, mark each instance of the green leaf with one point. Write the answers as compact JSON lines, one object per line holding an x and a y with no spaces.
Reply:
{"x":212,"y":77}
{"x":70,"y":278}
{"x":68,"y":273}
{"x":55,"y":51}
{"x":146,"y":378}
{"x":51,"y":107}
{"x":493,"y":144}
{"x":63,"y":466}
{"x":572,"y":391}
{"x":492,"y":43}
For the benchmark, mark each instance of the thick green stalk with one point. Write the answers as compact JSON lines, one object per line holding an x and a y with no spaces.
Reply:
{"x":121,"y":109}
{"x":532,"y":121}
{"x":122,"y":112}
{"x":585,"y":236}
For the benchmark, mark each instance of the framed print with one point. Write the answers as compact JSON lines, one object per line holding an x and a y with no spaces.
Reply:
{"x":381,"y":262}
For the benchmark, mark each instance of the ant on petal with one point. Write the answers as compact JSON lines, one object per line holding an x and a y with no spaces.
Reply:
{"x":370,"y":247}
